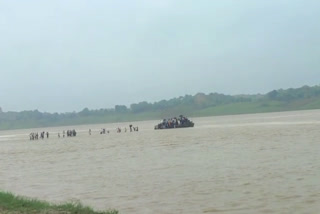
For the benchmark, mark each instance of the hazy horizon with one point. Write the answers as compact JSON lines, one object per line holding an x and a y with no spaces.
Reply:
{"x":128,"y":105}
{"x":63,"y":56}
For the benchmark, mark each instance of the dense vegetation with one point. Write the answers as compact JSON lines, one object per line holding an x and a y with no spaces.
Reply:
{"x":198,"y":105}
{"x":10,"y":203}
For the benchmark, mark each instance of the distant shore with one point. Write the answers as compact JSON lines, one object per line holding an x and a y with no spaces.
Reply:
{"x":9,"y":203}
{"x":199,"y":105}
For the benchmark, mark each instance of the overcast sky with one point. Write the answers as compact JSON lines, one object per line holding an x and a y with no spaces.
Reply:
{"x":65,"y":55}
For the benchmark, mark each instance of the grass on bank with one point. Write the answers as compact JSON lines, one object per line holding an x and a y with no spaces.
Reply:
{"x":10,"y":203}
{"x":258,"y":107}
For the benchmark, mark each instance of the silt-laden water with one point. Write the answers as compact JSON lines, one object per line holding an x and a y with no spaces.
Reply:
{"x":259,"y":163}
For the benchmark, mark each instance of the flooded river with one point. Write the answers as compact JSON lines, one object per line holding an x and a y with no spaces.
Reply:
{"x":259,"y":163}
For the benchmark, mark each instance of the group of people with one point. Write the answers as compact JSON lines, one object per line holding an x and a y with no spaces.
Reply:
{"x":135,"y":129}
{"x":132,"y":128}
{"x":174,"y":122}
{"x":70,"y":133}
{"x":35,"y":135}
{"x":119,"y":130}
{"x":103,"y":131}
{"x":73,"y":133}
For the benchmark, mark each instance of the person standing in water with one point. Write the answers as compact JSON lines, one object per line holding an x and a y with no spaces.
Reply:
{"x":89,"y":131}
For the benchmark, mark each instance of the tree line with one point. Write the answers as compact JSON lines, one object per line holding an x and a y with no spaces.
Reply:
{"x":187,"y":104}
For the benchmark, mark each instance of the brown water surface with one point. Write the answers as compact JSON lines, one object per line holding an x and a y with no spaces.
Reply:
{"x":259,"y":163}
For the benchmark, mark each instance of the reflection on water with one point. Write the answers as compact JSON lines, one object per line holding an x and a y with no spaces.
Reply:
{"x":261,"y":163}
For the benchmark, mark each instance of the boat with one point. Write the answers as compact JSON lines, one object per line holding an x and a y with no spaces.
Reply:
{"x":174,"y":123}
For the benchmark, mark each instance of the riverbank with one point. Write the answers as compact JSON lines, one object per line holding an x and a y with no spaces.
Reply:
{"x":9,"y":203}
{"x":221,"y":110}
{"x":199,"y":105}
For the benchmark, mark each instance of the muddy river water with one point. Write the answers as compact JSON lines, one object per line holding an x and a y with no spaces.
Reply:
{"x":258,"y":163}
